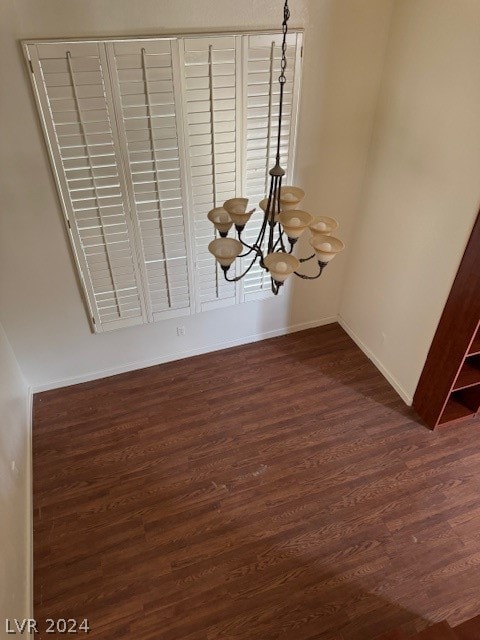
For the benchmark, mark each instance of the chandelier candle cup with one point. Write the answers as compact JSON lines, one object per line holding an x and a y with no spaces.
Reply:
{"x":323,"y":226}
{"x":281,"y":265}
{"x":225,"y":251}
{"x":221,"y":220}
{"x":294,"y":222}
{"x":237,"y":210}
{"x":326,"y":247}
{"x":290,"y":198}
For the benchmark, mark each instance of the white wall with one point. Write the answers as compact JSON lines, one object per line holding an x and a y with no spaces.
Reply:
{"x":422,"y":189}
{"x":41,"y":305}
{"x":14,"y":489}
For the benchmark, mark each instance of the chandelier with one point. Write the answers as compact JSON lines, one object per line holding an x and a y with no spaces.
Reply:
{"x":282,"y":220}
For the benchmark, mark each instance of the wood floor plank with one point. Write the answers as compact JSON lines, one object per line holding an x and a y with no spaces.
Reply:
{"x":275,"y":490}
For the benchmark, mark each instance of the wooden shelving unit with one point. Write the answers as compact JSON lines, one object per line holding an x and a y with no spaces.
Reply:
{"x":464,"y":397}
{"x":468,"y":376}
{"x":449,"y":387}
{"x":454,"y":410}
{"x":475,"y":346}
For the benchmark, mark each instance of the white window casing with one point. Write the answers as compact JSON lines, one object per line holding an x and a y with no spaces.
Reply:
{"x":145,"y":136}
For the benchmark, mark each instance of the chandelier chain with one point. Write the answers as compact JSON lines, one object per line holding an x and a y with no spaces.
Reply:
{"x":282,"y":79}
{"x":286,"y":17}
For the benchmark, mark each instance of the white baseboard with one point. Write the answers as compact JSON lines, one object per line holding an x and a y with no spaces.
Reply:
{"x":143,"y":364}
{"x":406,"y":397}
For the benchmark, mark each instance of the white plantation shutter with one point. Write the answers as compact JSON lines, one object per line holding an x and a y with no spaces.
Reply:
{"x":262,"y":56}
{"x":79,"y":122}
{"x":145,"y":137}
{"x":144,"y":88}
{"x":211,"y":108}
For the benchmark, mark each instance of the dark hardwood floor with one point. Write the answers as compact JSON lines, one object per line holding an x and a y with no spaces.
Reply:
{"x":276,"y":490}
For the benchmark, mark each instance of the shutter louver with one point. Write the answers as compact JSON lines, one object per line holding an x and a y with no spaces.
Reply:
{"x":262,"y":57}
{"x":71,"y":86}
{"x":210,"y":106}
{"x":143,"y":81}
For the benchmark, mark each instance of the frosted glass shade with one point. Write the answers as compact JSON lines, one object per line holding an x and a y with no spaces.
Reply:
{"x":323,"y":226}
{"x":294,"y":222}
{"x":237,"y":210}
{"x":220,"y":218}
{"x":290,"y":198}
{"x":326,"y":247}
{"x":225,"y":250}
{"x":263,"y":206}
{"x":281,"y":265}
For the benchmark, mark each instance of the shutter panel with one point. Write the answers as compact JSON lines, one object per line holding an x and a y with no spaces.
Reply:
{"x":210,"y":95}
{"x":262,"y":57}
{"x":143,"y":81}
{"x":74,"y":96}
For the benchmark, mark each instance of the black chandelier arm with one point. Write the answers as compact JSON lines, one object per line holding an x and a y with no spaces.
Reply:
{"x":321,"y":266}
{"x":247,"y":253}
{"x":250,"y":248}
{"x":263,"y":229}
{"x":258,"y":242}
{"x":277,"y":174}
{"x":275,"y":286}
{"x":307,"y":259}
{"x":261,"y":235}
{"x":237,"y":278}
{"x":280,"y":226}
{"x":279,"y":241}
{"x":276,"y":243}
{"x":257,"y":250}
{"x":255,"y":247}
{"x":270,"y":211}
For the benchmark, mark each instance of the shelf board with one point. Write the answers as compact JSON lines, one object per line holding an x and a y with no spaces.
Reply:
{"x":469,"y":376}
{"x":475,"y":346}
{"x":455,"y":410}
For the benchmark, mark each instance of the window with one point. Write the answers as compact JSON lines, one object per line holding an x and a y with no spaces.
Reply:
{"x":145,"y":137}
